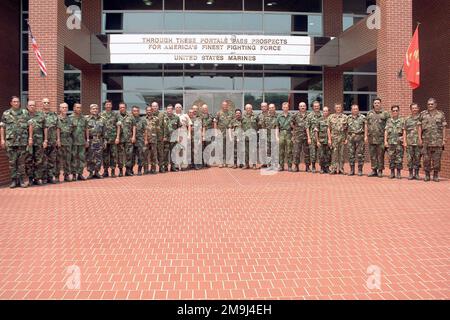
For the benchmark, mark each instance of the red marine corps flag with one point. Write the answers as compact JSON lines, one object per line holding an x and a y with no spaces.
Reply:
{"x":411,"y":64}
{"x":38,"y":55}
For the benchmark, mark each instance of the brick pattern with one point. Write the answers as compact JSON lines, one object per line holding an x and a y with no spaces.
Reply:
{"x":333,"y":85}
{"x":243,"y":236}
{"x":10,"y":62}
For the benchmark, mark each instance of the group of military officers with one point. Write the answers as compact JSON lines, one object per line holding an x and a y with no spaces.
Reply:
{"x":41,"y":143}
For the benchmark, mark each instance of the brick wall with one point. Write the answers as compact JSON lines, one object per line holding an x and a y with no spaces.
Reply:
{"x":10,"y":62}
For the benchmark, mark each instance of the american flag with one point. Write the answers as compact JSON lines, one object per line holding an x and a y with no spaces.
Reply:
{"x":38,"y":55}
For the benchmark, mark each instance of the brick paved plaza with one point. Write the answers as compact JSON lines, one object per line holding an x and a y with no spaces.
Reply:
{"x":224,"y":233}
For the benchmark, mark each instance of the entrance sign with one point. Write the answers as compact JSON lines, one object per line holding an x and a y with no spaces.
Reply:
{"x":216,"y":49}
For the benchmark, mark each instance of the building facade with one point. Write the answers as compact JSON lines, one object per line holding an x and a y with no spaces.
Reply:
{"x":326,"y":50}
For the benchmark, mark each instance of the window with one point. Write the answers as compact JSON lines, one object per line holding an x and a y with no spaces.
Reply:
{"x":293,"y":5}
{"x":357,"y":6}
{"x":133,"y":5}
{"x":228,"y":5}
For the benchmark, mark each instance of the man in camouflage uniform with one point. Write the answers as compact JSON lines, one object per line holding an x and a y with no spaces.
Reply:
{"x":97,"y":142}
{"x":337,"y":138}
{"x":285,"y":137}
{"x":235,"y":135}
{"x":271,"y":124}
{"x":14,"y":136}
{"x":196,"y":138}
{"x":356,"y":146}
{"x":127,"y":133}
{"x":151,"y":138}
{"x":64,"y":142}
{"x":393,"y":139}
{"x":139,"y":147}
{"x":80,"y":141}
{"x":411,"y":141}
{"x":300,"y":135}
{"x":374,"y":135}
{"x":35,"y":161}
{"x":160,"y":146}
{"x":321,"y":133}
{"x":432,"y":126}
{"x":250,"y":128}
{"x":313,"y":117}
{"x":171,"y":125}
{"x":110,"y":119}
{"x":223,"y":120}
{"x":262,"y":131}
{"x":208,"y":125}
{"x":51,"y":173}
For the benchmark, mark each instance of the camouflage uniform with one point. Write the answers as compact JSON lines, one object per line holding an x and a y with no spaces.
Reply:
{"x":197,"y":128}
{"x":412,"y":140}
{"x":236,"y":133}
{"x":338,"y":129}
{"x":394,"y":130}
{"x":324,"y":150}
{"x":355,"y":138}
{"x":160,"y":146}
{"x":312,"y":119}
{"x":271,"y":123}
{"x":171,"y":124}
{"x":79,"y":126}
{"x":139,"y":147}
{"x":65,"y":151}
{"x":376,"y":122}
{"x":250,"y":122}
{"x":97,"y":140}
{"x":15,"y":124}
{"x":208,"y":124}
{"x":110,"y":152}
{"x":125,"y":147}
{"x":51,"y":152}
{"x":262,"y":146}
{"x":152,"y":131}
{"x":35,"y":162}
{"x":223,"y":120}
{"x":285,"y":136}
{"x":432,"y":127}
{"x":300,"y":139}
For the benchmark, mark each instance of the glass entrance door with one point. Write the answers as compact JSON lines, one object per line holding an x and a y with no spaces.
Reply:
{"x":212,"y":99}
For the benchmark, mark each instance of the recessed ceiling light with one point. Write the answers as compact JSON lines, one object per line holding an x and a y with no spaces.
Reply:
{"x":210,"y":2}
{"x":147,"y":2}
{"x":271,"y":4}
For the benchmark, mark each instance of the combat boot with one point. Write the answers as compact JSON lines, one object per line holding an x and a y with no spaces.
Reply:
{"x":416,"y":174}
{"x":313,"y":168}
{"x":128,"y":172}
{"x":120,"y":172}
{"x":352,"y":169}
{"x":427,"y":176}
{"x":380,"y":173}
{"x":81,"y":178}
{"x":436,"y":176}
{"x":295,"y":168}
{"x":23,"y":184}
{"x":67,"y":178}
{"x":113,"y":173}
{"x":91,"y":175}
{"x":38,"y":182}
{"x":307,"y":168}
{"x":139,"y":173}
{"x":13,"y":184}
{"x":373,"y":173}
{"x":105,"y":173}
{"x":411,"y":174}
{"x":399,"y":173}
{"x":97,"y":175}
{"x":360,"y":170}
{"x":392,"y":176}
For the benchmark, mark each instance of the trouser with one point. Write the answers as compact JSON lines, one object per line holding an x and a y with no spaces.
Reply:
{"x":171,"y":159}
{"x":432,"y":158}
{"x":285,"y":148}
{"x":337,"y":154}
{"x":110,"y":156}
{"x":151,"y":155}
{"x":65,"y":159}
{"x":251,"y":151}
{"x":166,"y":156}
{"x":78,"y":159}
{"x":35,"y":162}
{"x":413,"y":156}
{"x":356,"y":149}
{"x":196,"y":153}
{"x":376,"y":152}
{"x":301,"y":146}
{"x":324,"y":155}
{"x":160,"y":150}
{"x":51,"y":155}
{"x":94,"y":155}
{"x":138,"y":154}
{"x":124,"y":155}
{"x":395,"y":152}
{"x":17,"y":156}
{"x":313,"y":151}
